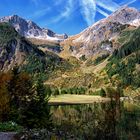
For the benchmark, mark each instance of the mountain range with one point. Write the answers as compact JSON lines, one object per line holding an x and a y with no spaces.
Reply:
{"x":88,"y":42}
{"x":30,"y":29}
{"x":103,"y":55}
{"x":95,"y":38}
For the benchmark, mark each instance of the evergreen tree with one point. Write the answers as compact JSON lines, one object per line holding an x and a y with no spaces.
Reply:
{"x":37,"y":113}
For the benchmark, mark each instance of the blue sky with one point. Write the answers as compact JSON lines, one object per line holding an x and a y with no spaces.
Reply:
{"x":63,"y":16}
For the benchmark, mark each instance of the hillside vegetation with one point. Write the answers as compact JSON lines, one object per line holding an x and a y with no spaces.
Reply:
{"x":18,"y":51}
{"x":119,"y":70}
{"x":71,"y":75}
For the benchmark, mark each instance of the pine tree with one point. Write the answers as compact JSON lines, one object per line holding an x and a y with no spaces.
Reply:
{"x":37,"y":113}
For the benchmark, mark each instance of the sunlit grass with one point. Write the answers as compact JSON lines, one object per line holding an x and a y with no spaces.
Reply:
{"x":76,"y":99}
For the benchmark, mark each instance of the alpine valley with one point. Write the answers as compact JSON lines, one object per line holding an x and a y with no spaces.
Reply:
{"x":103,"y":60}
{"x":105,"y":53}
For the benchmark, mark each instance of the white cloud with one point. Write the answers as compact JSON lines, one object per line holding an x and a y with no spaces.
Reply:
{"x":66,"y":12}
{"x":40,"y":13}
{"x":88,"y":10}
{"x":102,"y":12}
{"x":108,"y":5}
{"x":128,"y":2}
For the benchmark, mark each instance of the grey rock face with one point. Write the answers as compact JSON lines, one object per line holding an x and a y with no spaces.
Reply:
{"x":30,"y":29}
{"x":125,"y":15}
{"x":25,"y":28}
{"x":15,"y":52}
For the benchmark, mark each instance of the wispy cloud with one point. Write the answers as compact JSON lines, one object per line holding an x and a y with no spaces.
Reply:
{"x":88,"y":10}
{"x":90,"y":7}
{"x":39,"y":13}
{"x":65,"y":13}
{"x":128,"y":2}
{"x":108,"y":5}
{"x":102,"y":12}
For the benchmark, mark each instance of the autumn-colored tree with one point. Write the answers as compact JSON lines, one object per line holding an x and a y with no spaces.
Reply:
{"x":20,"y":87}
{"x":20,"y":92}
{"x":4,"y":96}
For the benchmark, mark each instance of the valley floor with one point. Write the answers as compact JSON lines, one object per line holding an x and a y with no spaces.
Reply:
{"x":76,"y":99}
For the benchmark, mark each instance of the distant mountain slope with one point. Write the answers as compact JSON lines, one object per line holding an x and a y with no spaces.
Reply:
{"x":124,"y":64}
{"x":30,"y":29}
{"x":100,"y":36}
{"x":119,"y":70}
{"x":108,"y":55}
{"x":15,"y":50}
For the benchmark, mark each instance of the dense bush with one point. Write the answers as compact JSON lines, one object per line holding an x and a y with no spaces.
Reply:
{"x":102,"y":93}
{"x":55,"y":91}
{"x":37,"y":66}
{"x":73,"y":90}
{"x":115,"y":93}
{"x":10,"y":126}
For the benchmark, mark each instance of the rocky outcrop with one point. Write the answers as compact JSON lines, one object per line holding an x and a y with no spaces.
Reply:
{"x":30,"y":29}
{"x":126,"y":15}
{"x":14,"y":49}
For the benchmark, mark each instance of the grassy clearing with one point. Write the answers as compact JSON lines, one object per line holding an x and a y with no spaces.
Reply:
{"x":75,"y":99}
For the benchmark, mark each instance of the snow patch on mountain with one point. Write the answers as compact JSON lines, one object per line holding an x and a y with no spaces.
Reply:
{"x":135,"y":22}
{"x":30,"y":29}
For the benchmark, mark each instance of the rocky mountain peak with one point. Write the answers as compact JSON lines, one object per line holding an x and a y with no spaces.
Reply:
{"x":12,"y":18}
{"x":24,"y":27}
{"x":125,"y":15}
{"x":30,"y":29}
{"x":89,"y":41}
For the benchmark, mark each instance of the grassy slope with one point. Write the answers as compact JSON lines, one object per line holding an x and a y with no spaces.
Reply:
{"x":95,"y":77}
